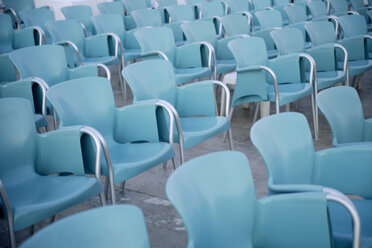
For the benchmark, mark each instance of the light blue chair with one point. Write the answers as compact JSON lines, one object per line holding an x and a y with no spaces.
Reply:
{"x":129,"y":135}
{"x":29,"y":89}
{"x":204,"y":31}
{"x":187,"y":59}
{"x":111,"y":226}
{"x":166,"y":3}
{"x":343,"y":110}
{"x":180,"y":13}
{"x":286,"y":146}
{"x":235,"y":24}
{"x":279,"y":5}
{"x":81,"y":13}
{"x":278,"y":80}
{"x":193,"y":104}
{"x":229,"y":215}
{"x":38,"y":18}
{"x":29,"y":193}
{"x":339,"y":8}
{"x":290,"y":40}
{"x":117,"y":7}
{"x":131,"y":5}
{"x":261,"y":4}
{"x":213,"y":11}
{"x":318,"y":10}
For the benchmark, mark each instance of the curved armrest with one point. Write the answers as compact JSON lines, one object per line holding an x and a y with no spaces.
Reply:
{"x":66,"y":44}
{"x":198,"y":99}
{"x":313,"y":79}
{"x":27,"y":37}
{"x":347,"y":169}
{"x":118,"y":47}
{"x":367,"y":130}
{"x":346,"y":60}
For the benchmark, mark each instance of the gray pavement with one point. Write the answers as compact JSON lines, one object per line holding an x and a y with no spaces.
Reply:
{"x":147,"y":190}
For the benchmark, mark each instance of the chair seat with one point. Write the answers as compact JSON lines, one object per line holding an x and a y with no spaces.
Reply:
{"x":40,"y":121}
{"x":357,"y":67}
{"x":133,"y":159}
{"x":289,"y":92}
{"x":342,"y":223}
{"x":184,"y":75}
{"x":106,"y":60}
{"x":198,"y":129}
{"x":225,"y":65}
{"x":328,"y":78}
{"x":35,"y":198}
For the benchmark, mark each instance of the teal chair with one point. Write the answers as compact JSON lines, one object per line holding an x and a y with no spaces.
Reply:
{"x":193,"y":104}
{"x":213,"y":11}
{"x":278,"y":80}
{"x":352,"y":25}
{"x":343,"y":110}
{"x":38,"y":17}
{"x":129,"y":135}
{"x":290,"y":40}
{"x":286,"y":146}
{"x":117,"y":7}
{"x":131,"y":5}
{"x":81,"y":13}
{"x":28,"y":89}
{"x":165,"y":3}
{"x":187,"y":59}
{"x":235,"y":24}
{"x":261,"y":4}
{"x":31,"y":189}
{"x":204,"y":31}
{"x":180,"y":13}
{"x":111,"y":226}
{"x":318,"y":10}
{"x":339,"y":8}
{"x":229,"y":215}
{"x":279,"y":5}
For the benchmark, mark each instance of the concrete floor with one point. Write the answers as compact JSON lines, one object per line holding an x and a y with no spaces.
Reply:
{"x":147,"y":191}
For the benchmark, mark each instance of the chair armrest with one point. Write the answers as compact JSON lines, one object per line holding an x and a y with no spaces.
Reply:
{"x":347,"y":169}
{"x":29,"y":36}
{"x":14,"y":14}
{"x":137,"y":122}
{"x":187,"y":105}
{"x":368,"y":130}
{"x":189,"y":55}
{"x":292,"y":188}
{"x":97,"y":46}
{"x":285,"y":220}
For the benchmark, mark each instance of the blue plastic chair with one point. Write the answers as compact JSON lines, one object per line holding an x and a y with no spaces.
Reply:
{"x":180,"y":13}
{"x":290,"y":40}
{"x":28,"y":161}
{"x":343,"y":110}
{"x":38,"y":17}
{"x":204,"y":31}
{"x":229,"y":215}
{"x":81,"y":13}
{"x":285,"y":144}
{"x":284,"y":84}
{"x":28,"y":89}
{"x":235,"y":24}
{"x":166,"y":3}
{"x":193,"y":104}
{"x":111,"y":226}
{"x":187,"y":59}
{"x":129,"y":135}
{"x":213,"y":11}
{"x":318,"y":10}
{"x":279,"y":5}
{"x":339,"y":8}
{"x":131,"y":5}
{"x":117,"y":7}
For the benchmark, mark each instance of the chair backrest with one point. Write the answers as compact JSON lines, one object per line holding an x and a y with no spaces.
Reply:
{"x":109,"y":23}
{"x":199,"y":31}
{"x":6,"y":33}
{"x":338,"y":6}
{"x":269,"y":19}
{"x":357,"y":4}
{"x":288,"y":40}
{"x":221,"y":214}
{"x":164,"y":3}
{"x":318,"y":9}
{"x":320,"y":32}
{"x":85,"y":101}
{"x":237,"y":5}
{"x":111,"y":226}
{"x":38,"y":17}
{"x":180,"y":13}
{"x":131,"y":5}
{"x":235,"y":25}
{"x":157,"y":38}
{"x":151,"y":79}
{"x":281,"y":2}
{"x":212,"y":8}
{"x":81,"y":13}
{"x":286,"y":146}
{"x":352,"y":25}
{"x":343,"y":110}
{"x":147,"y":17}
{"x":18,"y":5}
{"x":67,"y":30}
{"x":296,"y":13}
{"x":192,"y":2}
{"x":115,"y":7}
{"x":47,"y":62}
{"x":18,"y":142}
{"x":249,"y":52}
{"x":261,"y":4}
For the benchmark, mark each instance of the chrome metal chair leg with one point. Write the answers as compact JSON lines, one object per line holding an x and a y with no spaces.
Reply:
{"x":122,"y":186}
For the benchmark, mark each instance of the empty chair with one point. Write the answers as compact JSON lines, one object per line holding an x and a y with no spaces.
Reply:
{"x":279,"y":5}
{"x":343,"y":110}
{"x":204,"y":31}
{"x":31,"y":163}
{"x":130,"y":135}
{"x":165,"y":3}
{"x":131,"y":5}
{"x":352,"y":25}
{"x":235,"y":25}
{"x":238,"y":6}
{"x":187,"y":59}
{"x":229,"y":215}
{"x":111,"y":226}
{"x":38,"y":17}
{"x":261,"y":4}
{"x":213,"y":11}
{"x":290,"y":40}
{"x":194,"y":103}
{"x":179,"y":13}
{"x":318,"y":11}
{"x":81,"y":13}
{"x":339,"y":8}
{"x":117,"y":7}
